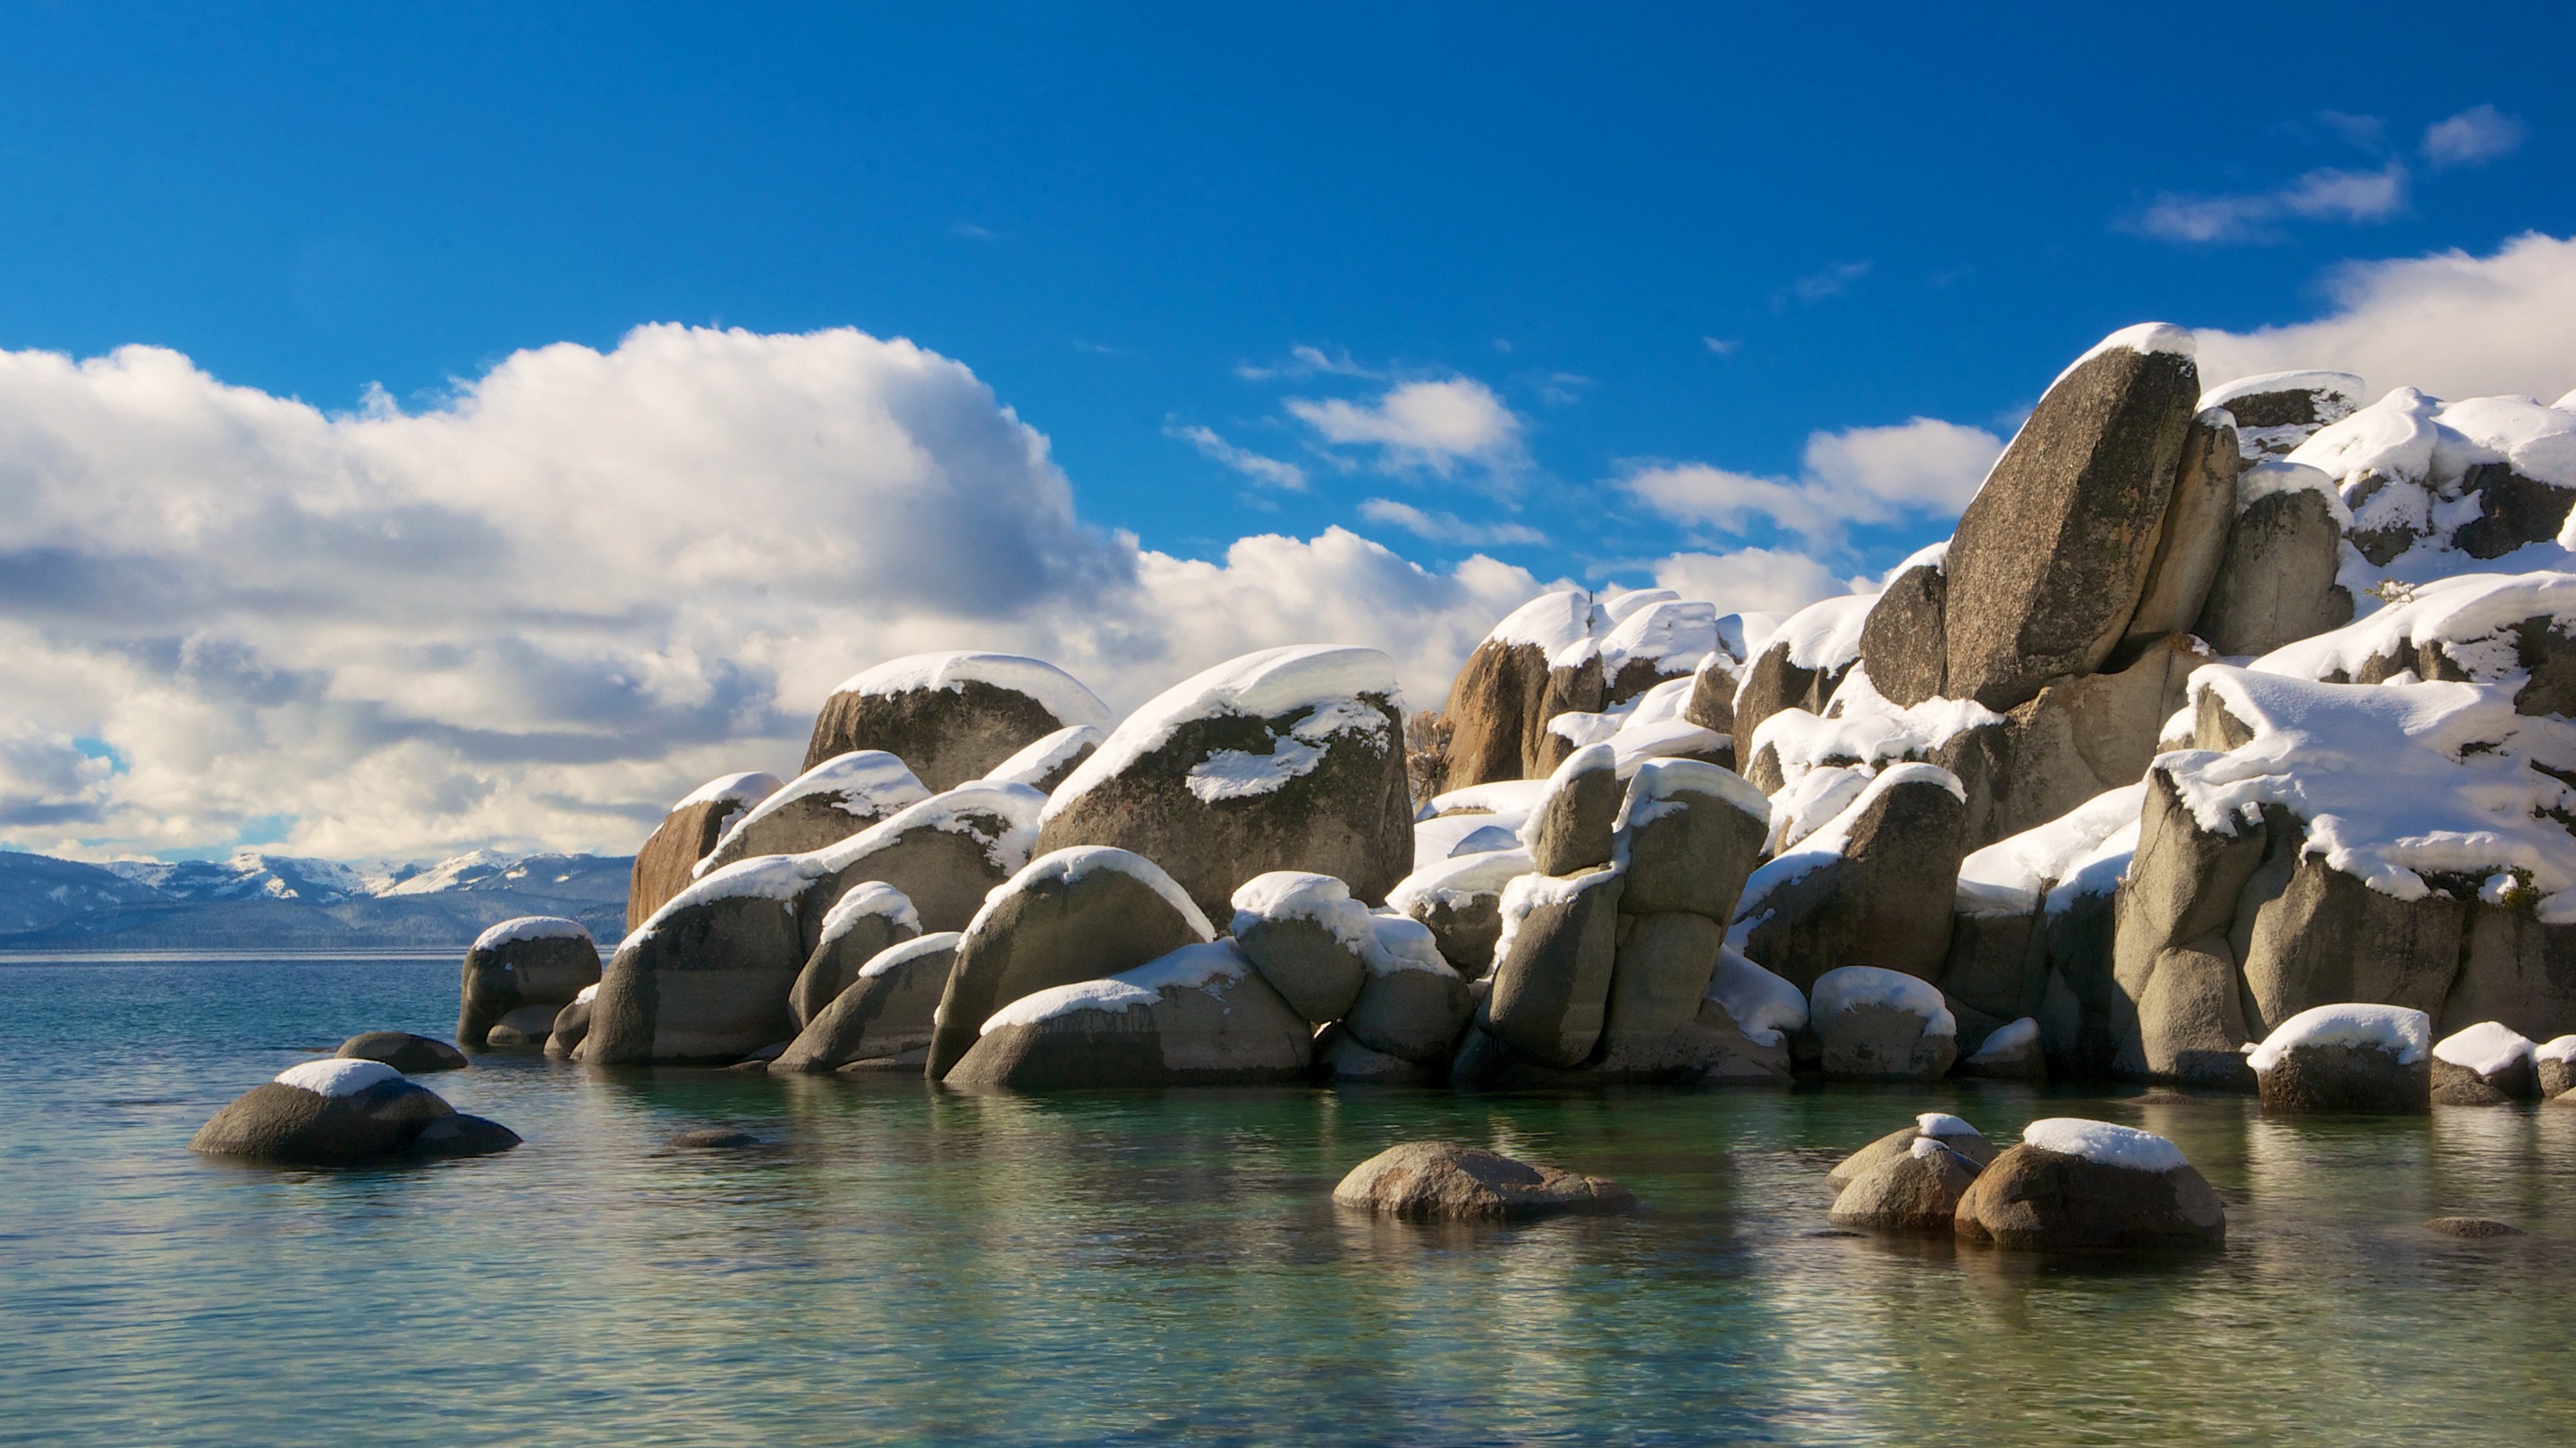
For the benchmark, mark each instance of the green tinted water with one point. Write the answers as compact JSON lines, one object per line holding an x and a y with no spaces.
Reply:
{"x":901,"y":1265}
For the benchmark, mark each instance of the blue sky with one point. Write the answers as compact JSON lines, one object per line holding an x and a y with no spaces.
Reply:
{"x":1510,"y":293}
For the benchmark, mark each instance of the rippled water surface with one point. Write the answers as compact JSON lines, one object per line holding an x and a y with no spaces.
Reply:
{"x":899,"y":1265}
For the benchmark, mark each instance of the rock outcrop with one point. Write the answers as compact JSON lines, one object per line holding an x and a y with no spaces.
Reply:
{"x":669,"y":857}
{"x":1881,"y":1025}
{"x":1197,"y":1016}
{"x":886,"y":1017}
{"x":534,"y":965}
{"x":945,"y":854}
{"x":1552,"y":966}
{"x":1541,"y":661}
{"x":952,"y":717}
{"x":1443,"y":1181}
{"x":828,"y":803}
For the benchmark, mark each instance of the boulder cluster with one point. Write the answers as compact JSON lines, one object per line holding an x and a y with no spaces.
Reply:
{"x":2069,"y":1185}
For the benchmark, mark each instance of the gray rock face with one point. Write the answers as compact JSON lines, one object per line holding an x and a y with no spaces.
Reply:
{"x":527,"y":1027}
{"x":532,"y":961}
{"x":2191,"y":543}
{"x":1309,"y":939}
{"x":887,"y":1012}
{"x":1712,"y":698}
{"x":2031,"y":1199}
{"x":2191,"y":1023}
{"x":1413,"y":1005}
{"x":412,"y":1055}
{"x":706,"y":979}
{"x":1571,"y":828}
{"x":2277,"y":412}
{"x":2345,"y":1077}
{"x":828,"y":803}
{"x":1947,"y":1131}
{"x":1493,"y":713}
{"x":1218,"y":795}
{"x":1660,"y":977}
{"x":2327,"y":937}
{"x":1772,"y":683}
{"x":1915,"y":1192}
{"x":2177,"y":905}
{"x":2276,"y":580}
{"x":572,"y":1027}
{"x":1461,"y":901}
{"x":1073,"y":915}
{"x":2068,"y":743}
{"x":1886,"y":901}
{"x":1199,"y":1016}
{"x":945,"y":854}
{"x":1871,"y":1026}
{"x":1441,"y":1181}
{"x":1552,"y":969}
{"x":342,"y":1111}
{"x":2052,"y":555}
{"x":872,"y":918}
{"x":1688,"y":836}
{"x":2514,"y":511}
{"x":665,"y":863}
{"x":2554,"y":1067}
{"x":951,"y":717}
{"x":1905,"y":643}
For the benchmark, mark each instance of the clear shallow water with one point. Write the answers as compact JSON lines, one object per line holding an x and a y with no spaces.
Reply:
{"x":906,"y":1266}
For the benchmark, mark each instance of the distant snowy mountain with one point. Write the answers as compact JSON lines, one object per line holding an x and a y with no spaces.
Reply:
{"x":256,"y":900}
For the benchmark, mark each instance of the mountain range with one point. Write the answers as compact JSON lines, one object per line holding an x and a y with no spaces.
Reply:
{"x":256,"y":901}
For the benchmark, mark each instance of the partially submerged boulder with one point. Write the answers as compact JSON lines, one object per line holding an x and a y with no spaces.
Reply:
{"x":2011,"y":1052}
{"x":666,"y":862}
{"x":1072,"y":916}
{"x":571,"y":1025}
{"x":411,"y":1055}
{"x":2347,"y":1057}
{"x":1432,"y":1181}
{"x":1285,"y":759}
{"x":867,"y":921}
{"x":828,"y":803}
{"x":952,"y":716}
{"x":1947,"y":1131}
{"x":888,"y":1013}
{"x":1881,"y":1025}
{"x":1916,"y":1191}
{"x":2074,"y":1184}
{"x":2487,"y":1064}
{"x":705,"y":980}
{"x":1197,"y":1016}
{"x":537,"y":962}
{"x":341,"y":1110}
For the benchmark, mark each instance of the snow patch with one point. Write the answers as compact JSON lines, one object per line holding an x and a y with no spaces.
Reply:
{"x":1300,"y":895}
{"x":904,"y":952}
{"x":2014,"y":874}
{"x":2145,"y":338}
{"x":2104,"y":1144}
{"x":1456,"y":883}
{"x":1764,"y":1007}
{"x":2008,"y":1040}
{"x":1564,"y":624}
{"x":1852,"y":986}
{"x":2338,"y":393}
{"x":1672,"y":634}
{"x":531,"y":927}
{"x":1939,"y":1124}
{"x":865,"y":899}
{"x":1400,"y":942}
{"x":746,"y":789}
{"x":336,"y":1078}
{"x":1077,"y":863}
{"x":2488,"y":1048}
{"x":1044,"y":756}
{"x":1058,"y":692}
{"x":1528,"y":893}
{"x":1823,"y":636}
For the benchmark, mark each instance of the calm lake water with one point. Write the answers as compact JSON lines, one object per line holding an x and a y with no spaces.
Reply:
{"x":905,"y":1266}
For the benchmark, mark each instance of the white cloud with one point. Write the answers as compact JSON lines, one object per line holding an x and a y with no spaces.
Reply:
{"x":2479,"y":134}
{"x":1447,"y":527}
{"x":2327,"y":194}
{"x":1311,"y":362}
{"x":2452,"y":324}
{"x":1251,"y":464}
{"x":1722,"y":346}
{"x":1833,"y":281}
{"x":1433,"y":425}
{"x":538,"y":614}
{"x":1863,"y":475}
{"x":1751,"y":580}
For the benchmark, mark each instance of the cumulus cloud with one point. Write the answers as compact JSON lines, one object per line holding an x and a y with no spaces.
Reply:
{"x":2474,"y":136}
{"x":1420,"y":425}
{"x":1751,"y":580}
{"x":535,"y":615}
{"x":2329,"y":193}
{"x":2452,"y":324}
{"x":1446,"y":527}
{"x":1861,"y":476}
{"x":1252,"y":465}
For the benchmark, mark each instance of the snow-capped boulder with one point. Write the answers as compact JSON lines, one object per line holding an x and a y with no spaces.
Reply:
{"x":1881,"y":1025}
{"x":410,"y":1054}
{"x":1653,"y":642}
{"x":1917,"y":1191}
{"x":1412,"y":1005}
{"x":1874,"y":885}
{"x":1444,"y":1181}
{"x":1571,"y":827}
{"x":2486,"y":1064}
{"x":1687,"y":836}
{"x":1072,"y":915}
{"x":1945,"y":1130}
{"x":2347,"y":1057}
{"x":1903,"y":639}
{"x":1542,"y":660}
{"x":332,"y":1111}
{"x":1285,"y":759}
{"x":2478,"y":478}
{"x":1309,"y":939}
{"x":2053,"y":554}
{"x":2553,"y":1066}
{"x":952,"y":717}
{"x":2278,"y":579}
{"x":1461,"y":901}
{"x":945,"y":854}
{"x":1802,"y":662}
{"x":2076,"y":1184}
{"x":869,"y":919}
{"x":2014,"y":932}
{"x":886,"y":1013}
{"x":1553,"y":965}
{"x":2277,"y":411}
{"x":1051,"y":760}
{"x":668,"y":858}
{"x":1198,"y":1016}
{"x":705,"y":980}
{"x":535,"y":963}
{"x":1711,"y":702}
{"x":2010,"y":1052}
{"x":2192,"y":540}
{"x":826,"y":804}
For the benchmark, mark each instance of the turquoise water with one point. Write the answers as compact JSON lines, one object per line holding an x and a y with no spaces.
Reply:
{"x":905,"y":1266}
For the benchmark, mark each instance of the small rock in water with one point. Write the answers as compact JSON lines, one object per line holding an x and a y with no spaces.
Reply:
{"x":1916,"y":1192}
{"x":2090,"y":1185}
{"x":713,"y":1138}
{"x":2473,"y":1227}
{"x":1426,"y":1181}
{"x":1948,"y":1130}
{"x":334,"y":1111}
{"x":412,"y":1055}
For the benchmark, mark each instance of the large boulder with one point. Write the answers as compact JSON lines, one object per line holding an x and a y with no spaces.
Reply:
{"x":1309,"y":939}
{"x":1553,"y":964}
{"x":828,"y":803}
{"x":1656,"y":638}
{"x":2484,"y":1065}
{"x":1072,"y":916}
{"x":1876,"y":884}
{"x":1413,"y":1004}
{"x":1570,"y":830}
{"x":2052,"y":555}
{"x":870,"y":919}
{"x":1461,"y":901}
{"x":2089,"y":1185}
{"x":668,"y":858}
{"x":2276,"y":579}
{"x":1197,"y":1016}
{"x":1881,"y":1025}
{"x":1441,"y":1181}
{"x":332,"y":1111}
{"x":1659,"y":981}
{"x":405,"y":1052}
{"x":2174,"y":914}
{"x":1939,"y":1127}
{"x":539,"y":961}
{"x":2192,"y":540}
{"x":705,"y":980}
{"x":1917,"y":1191}
{"x":1803,"y":661}
{"x":1285,"y":759}
{"x":1542,"y":660}
{"x":952,"y":716}
{"x":2347,"y":1057}
{"x":1711,"y":704}
{"x":1688,"y":835}
{"x":945,"y":854}
{"x":885,"y":1016}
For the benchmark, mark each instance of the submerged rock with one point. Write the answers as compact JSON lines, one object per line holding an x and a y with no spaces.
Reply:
{"x":411,"y":1055}
{"x":1444,"y":1181}
{"x":345,"y":1110}
{"x":2076,"y":1184}
{"x":2473,"y":1227}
